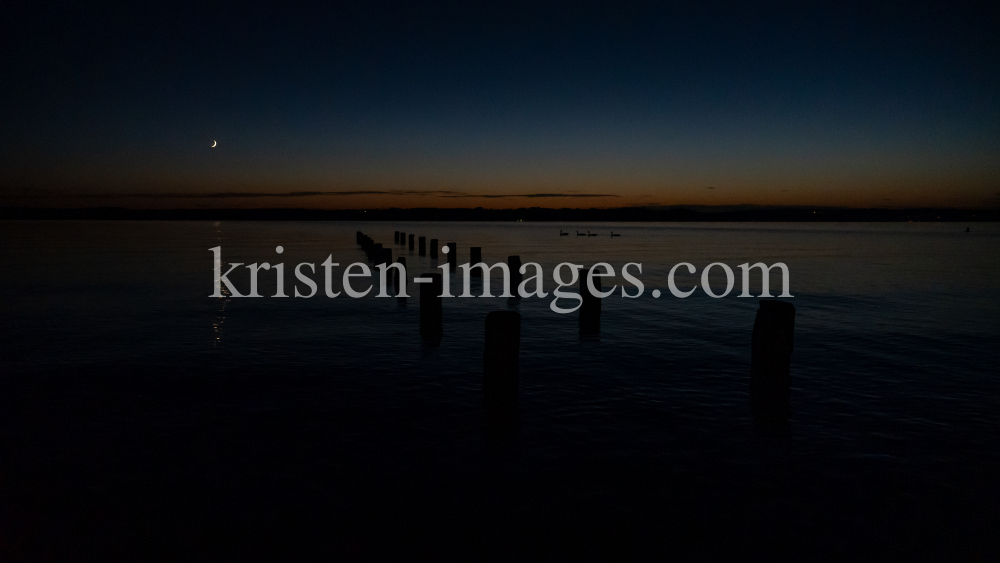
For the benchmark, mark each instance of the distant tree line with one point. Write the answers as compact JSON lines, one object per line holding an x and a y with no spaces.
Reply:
{"x":565,"y":215}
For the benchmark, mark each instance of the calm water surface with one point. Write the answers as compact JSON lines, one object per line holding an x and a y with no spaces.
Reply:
{"x":896,"y":390}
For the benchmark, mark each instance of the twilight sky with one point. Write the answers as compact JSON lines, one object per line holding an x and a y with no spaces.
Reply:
{"x":586,"y":105}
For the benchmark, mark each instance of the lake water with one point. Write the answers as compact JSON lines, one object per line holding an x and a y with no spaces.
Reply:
{"x":140,"y":413}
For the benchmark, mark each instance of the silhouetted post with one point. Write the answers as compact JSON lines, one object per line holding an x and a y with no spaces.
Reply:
{"x":431,"y":325}
{"x":475,"y":257}
{"x":453,"y":256}
{"x":514,"y":265}
{"x":398,"y":280}
{"x":386,"y":256}
{"x":411,"y":242}
{"x":358,"y":237}
{"x":501,"y":367}
{"x":402,"y":237}
{"x":590,"y":309}
{"x":434,"y":248}
{"x":770,"y":360}
{"x":422,"y":246}
{"x":376,"y":252}
{"x":395,"y":237}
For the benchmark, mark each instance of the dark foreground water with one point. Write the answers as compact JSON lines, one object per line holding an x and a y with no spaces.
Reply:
{"x":142,"y":420}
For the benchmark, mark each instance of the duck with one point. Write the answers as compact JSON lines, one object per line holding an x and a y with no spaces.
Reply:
{"x":562,"y":234}
{"x":591,"y":235}
{"x":614,"y":235}
{"x":579,"y":234}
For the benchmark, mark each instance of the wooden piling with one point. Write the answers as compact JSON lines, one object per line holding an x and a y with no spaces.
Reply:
{"x":434,"y":248}
{"x":514,"y":265}
{"x":501,"y":371}
{"x":453,"y":256}
{"x":475,"y":257}
{"x":395,"y":237}
{"x":422,"y":246}
{"x":590,"y":309}
{"x":431,"y":323}
{"x":770,"y":360}
{"x":399,"y":281}
{"x":411,"y":242}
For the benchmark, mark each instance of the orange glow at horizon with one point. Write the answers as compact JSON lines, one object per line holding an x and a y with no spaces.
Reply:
{"x":928,"y":196}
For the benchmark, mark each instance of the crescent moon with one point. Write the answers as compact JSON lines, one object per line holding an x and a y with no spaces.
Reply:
{"x":214,"y":143}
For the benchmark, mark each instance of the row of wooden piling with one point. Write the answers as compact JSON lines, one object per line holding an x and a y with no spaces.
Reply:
{"x":401,"y":238}
{"x":770,"y":367}
{"x":420,"y":244}
{"x":771,"y":343}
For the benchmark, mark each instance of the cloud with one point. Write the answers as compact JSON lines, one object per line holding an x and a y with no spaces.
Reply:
{"x":44,"y":194}
{"x":495,"y":196}
{"x":220,"y":195}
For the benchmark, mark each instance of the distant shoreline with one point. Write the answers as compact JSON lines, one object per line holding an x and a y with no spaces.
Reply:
{"x":533,"y":214}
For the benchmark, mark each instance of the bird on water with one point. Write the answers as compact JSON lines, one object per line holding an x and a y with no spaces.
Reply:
{"x":562,"y":234}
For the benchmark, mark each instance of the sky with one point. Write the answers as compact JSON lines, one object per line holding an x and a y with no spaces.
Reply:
{"x":371,"y":105}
